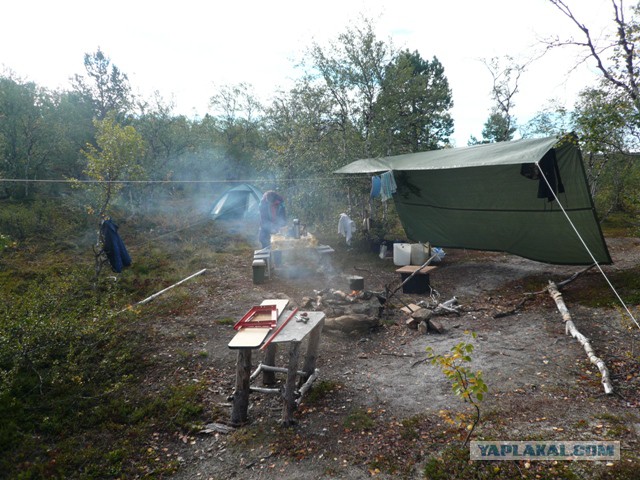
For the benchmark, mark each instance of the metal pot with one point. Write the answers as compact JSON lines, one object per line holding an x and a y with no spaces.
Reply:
{"x":356,"y":283}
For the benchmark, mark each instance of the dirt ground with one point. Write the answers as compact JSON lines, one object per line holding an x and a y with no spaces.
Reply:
{"x":541,"y":384}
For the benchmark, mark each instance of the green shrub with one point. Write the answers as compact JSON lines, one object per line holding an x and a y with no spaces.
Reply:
{"x":48,"y":219}
{"x":60,"y":356}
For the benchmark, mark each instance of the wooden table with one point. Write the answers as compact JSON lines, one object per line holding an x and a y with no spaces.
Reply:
{"x":297,"y":381}
{"x":412,"y":268}
{"x":275,"y":258}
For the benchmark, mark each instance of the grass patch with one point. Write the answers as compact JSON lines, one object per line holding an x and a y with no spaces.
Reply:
{"x":618,"y":424}
{"x":225,"y":321}
{"x":452,"y":463}
{"x":593,"y":291}
{"x":359,"y":419}
{"x":321,"y":390}
{"x":620,"y":224}
{"x":256,"y":434}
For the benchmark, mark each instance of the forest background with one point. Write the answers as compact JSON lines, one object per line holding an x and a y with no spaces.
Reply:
{"x":70,"y":157}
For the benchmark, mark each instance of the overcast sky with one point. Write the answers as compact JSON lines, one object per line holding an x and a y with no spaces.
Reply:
{"x":185,"y":49}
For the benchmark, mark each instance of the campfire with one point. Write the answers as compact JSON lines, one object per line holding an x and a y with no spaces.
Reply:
{"x":357,"y":310}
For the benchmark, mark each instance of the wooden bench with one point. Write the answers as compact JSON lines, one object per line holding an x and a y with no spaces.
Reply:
{"x":293,"y":333}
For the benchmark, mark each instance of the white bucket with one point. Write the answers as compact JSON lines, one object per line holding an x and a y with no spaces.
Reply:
{"x":419,"y":254}
{"x":402,"y":254}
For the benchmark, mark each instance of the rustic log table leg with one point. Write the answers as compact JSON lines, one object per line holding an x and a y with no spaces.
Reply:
{"x":289,"y":403}
{"x":311,"y":355}
{"x":269,"y":378}
{"x":239,"y":413}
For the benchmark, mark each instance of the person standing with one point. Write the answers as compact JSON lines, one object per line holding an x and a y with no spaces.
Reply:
{"x":273,"y":216}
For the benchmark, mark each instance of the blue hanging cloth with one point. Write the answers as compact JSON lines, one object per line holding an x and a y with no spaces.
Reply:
{"x":114,"y":246}
{"x":375,"y":186}
{"x":387,"y":185}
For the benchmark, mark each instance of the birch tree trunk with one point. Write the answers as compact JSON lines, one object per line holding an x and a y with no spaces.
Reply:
{"x":570,"y":328}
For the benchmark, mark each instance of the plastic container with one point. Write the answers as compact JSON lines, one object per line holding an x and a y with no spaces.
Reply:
{"x":259,"y":271}
{"x":419,"y":254}
{"x":402,"y":254}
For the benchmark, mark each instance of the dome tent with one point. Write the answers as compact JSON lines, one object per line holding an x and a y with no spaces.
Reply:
{"x":237,"y":203}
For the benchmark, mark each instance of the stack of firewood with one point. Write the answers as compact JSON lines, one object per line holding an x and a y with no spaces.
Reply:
{"x":421,"y":315}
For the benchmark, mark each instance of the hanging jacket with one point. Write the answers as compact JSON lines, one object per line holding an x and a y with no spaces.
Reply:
{"x":114,"y":246}
{"x":346,"y":227}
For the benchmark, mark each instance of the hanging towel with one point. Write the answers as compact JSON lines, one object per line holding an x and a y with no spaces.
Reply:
{"x":346,"y":226}
{"x":387,"y":185}
{"x":114,"y":247}
{"x":375,"y":186}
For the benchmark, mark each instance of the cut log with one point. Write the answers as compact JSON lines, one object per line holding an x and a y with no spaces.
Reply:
{"x":409,"y":309}
{"x":570,"y":328}
{"x":435,"y":325}
{"x":423,"y":314}
{"x":289,"y":394}
{"x":311,"y":355}
{"x":423,"y":327}
{"x":268,"y":375}
{"x":352,"y":323}
{"x":306,"y":303}
{"x":412,"y":323}
{"x":217,"y":428}
{"x":239,"y":413}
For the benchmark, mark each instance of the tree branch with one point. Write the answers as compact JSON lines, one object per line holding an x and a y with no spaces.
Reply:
{"x":630,"y":89}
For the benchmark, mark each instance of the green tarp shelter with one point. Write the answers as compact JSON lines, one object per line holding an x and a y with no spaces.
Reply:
{"x":495,"y":197}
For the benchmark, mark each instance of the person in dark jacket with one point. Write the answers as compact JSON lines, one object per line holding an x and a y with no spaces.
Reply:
{"x":273,"y":216}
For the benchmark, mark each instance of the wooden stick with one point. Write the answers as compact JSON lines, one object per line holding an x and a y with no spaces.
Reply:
{"x":289,"y":403}
{"x":307,"y":385}
{"x":239,"y":413}
{"x":311,"y":355}
{"x":570,"y":328}
{"x":574,"y":276}
{"x":148,"y":299}
{"x":269,"y":377}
